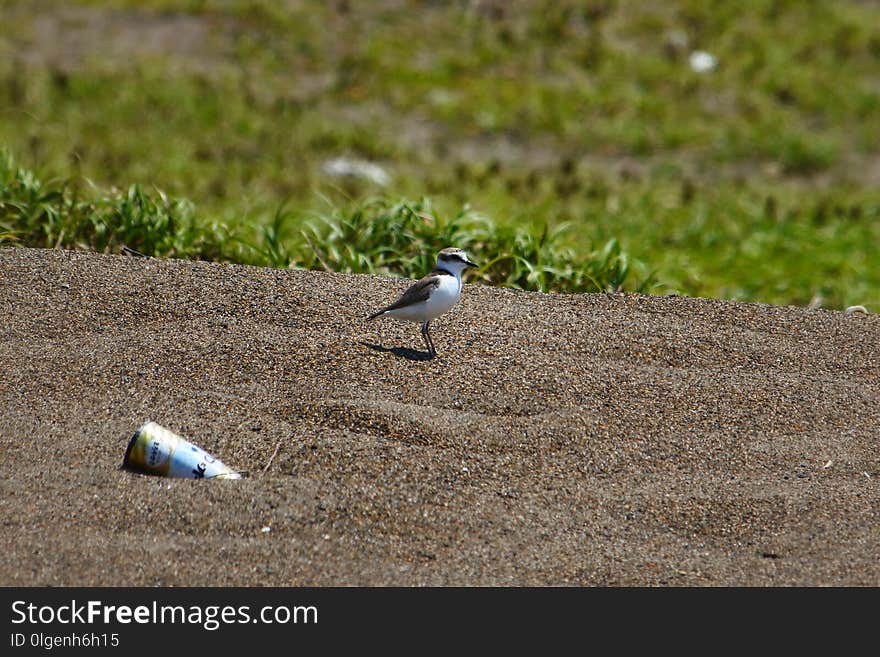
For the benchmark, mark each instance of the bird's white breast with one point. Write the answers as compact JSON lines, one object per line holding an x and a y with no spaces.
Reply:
{"x":442,"y":298}
{"x":445,"y":296}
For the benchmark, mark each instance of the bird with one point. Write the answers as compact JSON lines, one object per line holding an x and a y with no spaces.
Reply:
{"x":432,"y":295}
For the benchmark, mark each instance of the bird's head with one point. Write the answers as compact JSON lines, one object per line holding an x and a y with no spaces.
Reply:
{"x":455,"y":260}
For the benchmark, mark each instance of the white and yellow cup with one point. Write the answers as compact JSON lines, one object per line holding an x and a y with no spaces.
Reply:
{"x":157,"y":451}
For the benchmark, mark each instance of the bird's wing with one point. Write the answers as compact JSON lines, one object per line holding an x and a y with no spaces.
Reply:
{"x":415,"y":293}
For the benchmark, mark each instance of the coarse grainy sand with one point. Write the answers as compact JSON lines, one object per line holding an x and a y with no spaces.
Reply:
{"x":555,"y":440}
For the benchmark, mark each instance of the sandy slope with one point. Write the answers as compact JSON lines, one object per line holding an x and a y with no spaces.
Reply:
{"x":585,"y":439}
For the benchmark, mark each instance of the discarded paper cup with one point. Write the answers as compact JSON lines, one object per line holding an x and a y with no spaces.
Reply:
{"x":157,"y":451}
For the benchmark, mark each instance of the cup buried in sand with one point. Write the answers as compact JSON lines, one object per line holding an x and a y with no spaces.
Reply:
{"x":155,"y":450}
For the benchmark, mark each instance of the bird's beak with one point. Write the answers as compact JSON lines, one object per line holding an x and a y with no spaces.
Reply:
{"x":472,"y":264}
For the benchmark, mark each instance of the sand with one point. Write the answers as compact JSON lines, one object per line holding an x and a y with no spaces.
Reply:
{"x":555,"y":440}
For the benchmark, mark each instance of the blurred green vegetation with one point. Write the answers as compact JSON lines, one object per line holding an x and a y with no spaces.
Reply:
{"x":371,"y":237}
{"x":577,"y":136}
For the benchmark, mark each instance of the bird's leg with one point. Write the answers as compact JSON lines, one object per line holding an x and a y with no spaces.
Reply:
{"x":431,"y":351}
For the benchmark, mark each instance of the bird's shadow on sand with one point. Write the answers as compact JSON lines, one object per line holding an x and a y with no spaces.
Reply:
{"x":400,"y":352}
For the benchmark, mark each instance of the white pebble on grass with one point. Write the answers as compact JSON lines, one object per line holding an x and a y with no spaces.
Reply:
{"x":344,"y":167}
{"x":702,"y":61}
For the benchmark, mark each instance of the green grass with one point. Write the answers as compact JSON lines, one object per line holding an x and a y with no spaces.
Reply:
{"x":61,"y":213}
{"x":405,"y":238}
{"x":370,"y":237}
{"x":576,"y":130}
